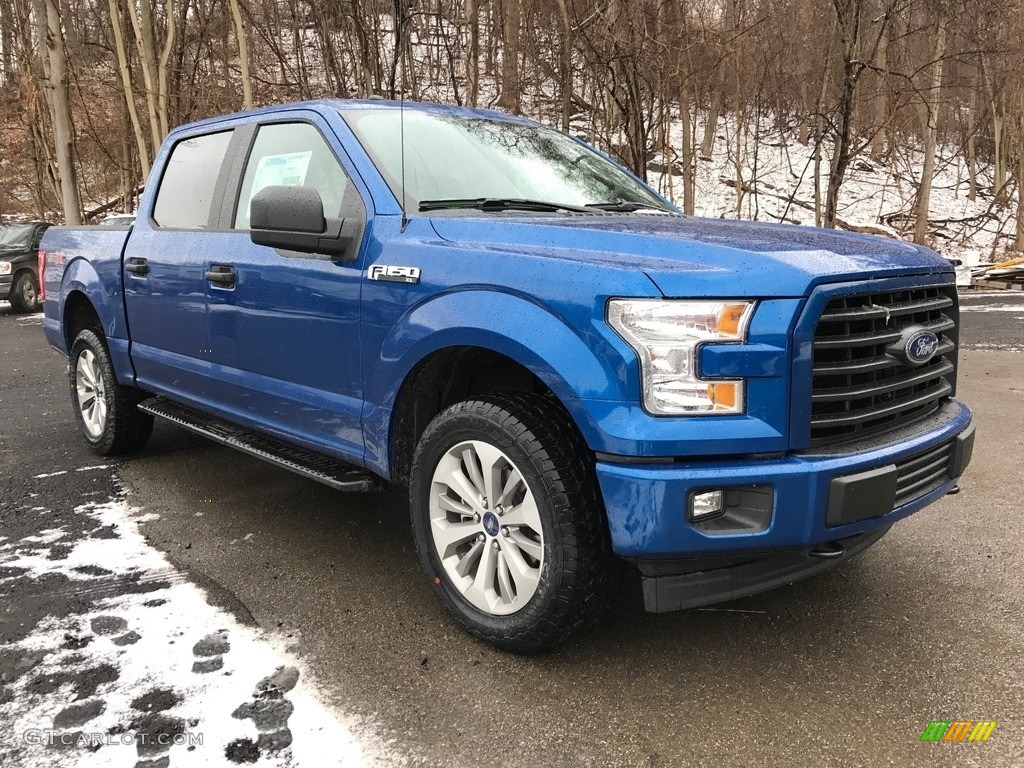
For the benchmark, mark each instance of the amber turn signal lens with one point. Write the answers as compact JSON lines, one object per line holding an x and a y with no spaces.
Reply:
{"x":723,"y":395}
{"x":730,"y":319}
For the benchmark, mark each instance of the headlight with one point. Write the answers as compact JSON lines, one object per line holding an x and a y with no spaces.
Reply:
{"x":666,"y":335}
{"x":5,"y":267}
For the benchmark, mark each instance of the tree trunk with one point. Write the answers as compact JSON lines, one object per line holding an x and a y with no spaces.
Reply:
{"x":689,"y":162}
{"x":565,"y":65}
{"x":510,"y":97}
{"x":707,"y":145}
{"x":243,"y":53}
{"x":147,"y":62}
{"x":848,"y":20}
{"x":473,"y":53}
{"x":7,"y":22}
{"x":881,"y":106}
{"x":930,"y":110}
{"x":126,"y":85}
{"x":683,"y":69}
{"x":819,"y":135}
{"x":165,"y":55}
{"x":972,"y":152}
{"x":55,"y":69}
{"x":1018,"y":244}
{"x":998,"y":143}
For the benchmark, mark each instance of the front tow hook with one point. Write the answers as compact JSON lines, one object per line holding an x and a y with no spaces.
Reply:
{"x":830,"y":550}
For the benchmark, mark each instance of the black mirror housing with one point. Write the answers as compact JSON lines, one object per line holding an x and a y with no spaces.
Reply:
{"x":287,"y":209}
{"x":292,"y":218}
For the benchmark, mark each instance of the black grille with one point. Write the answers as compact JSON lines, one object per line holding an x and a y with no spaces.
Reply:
{"x":922,"y":473}
{"x":859,"y":389}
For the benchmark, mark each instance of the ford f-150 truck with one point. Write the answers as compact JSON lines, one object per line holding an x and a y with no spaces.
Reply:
{"x":566,"y":372}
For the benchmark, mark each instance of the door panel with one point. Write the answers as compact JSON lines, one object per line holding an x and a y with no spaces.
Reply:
{"x":284,"y":339}
{"x":284,"y":342}
{"x":166,"y":302}
{"x":167,"y":309}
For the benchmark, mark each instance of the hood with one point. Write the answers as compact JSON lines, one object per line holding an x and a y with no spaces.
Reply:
{"x":691,"y":257}
{"x":10,"y":251}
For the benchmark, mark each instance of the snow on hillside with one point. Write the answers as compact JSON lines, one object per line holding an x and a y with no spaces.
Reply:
{"x":777,"y":167}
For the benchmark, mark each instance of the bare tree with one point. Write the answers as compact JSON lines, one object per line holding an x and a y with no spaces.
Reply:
{"x":56,"y":86}
{"x":243,"y":54}
{"x":929,"y":120}
{"x":126,"y":84}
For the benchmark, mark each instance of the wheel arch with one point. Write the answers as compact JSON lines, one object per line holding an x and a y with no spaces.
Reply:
{"x":488,"y":342}
{"x":77,"y":314}
{"x":24,"y":269}
{"x":82,"y":282}
{"x":442,"y":378}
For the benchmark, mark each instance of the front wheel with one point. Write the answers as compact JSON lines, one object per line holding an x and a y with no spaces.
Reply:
{"x":25,"y":294}
{"x":507,"y":520}
{"x":106,"y":411}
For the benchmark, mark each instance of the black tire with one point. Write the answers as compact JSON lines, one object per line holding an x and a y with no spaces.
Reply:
{"x":126,"y":428}
{"x":25,"y":293}
{"x":542,"y":442}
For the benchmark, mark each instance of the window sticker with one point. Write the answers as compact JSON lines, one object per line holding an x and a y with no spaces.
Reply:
{"x":288,"y":170}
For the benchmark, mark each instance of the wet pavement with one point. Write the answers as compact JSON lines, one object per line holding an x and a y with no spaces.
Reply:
{"x":846,"y":669}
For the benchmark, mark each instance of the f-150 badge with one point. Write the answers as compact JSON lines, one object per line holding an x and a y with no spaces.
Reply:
{"x":393,"y":274}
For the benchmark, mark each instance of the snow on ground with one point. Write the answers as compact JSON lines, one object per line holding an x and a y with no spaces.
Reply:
{"x":152,"y":674}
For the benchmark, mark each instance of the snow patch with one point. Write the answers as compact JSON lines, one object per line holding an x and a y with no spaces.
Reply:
{"x":151,"y":640}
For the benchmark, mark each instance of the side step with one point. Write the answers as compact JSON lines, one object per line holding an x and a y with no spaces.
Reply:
{"x":343,"y":477}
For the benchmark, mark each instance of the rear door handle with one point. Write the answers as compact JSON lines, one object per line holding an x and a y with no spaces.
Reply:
{"x":221,"y":275}
{"x":137,"y":266}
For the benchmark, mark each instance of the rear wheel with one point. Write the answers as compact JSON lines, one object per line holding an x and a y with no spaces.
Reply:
{"x":106,"y":411}
{"x":25,"y":293}
{"x":507,"y":520}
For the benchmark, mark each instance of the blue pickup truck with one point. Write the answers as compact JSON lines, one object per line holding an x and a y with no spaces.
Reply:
{"x":565,"y":372}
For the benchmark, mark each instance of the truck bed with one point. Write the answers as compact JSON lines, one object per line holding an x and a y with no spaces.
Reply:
{"x":87,"y":260}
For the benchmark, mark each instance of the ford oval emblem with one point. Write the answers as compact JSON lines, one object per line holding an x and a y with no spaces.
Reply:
{"x":921,"y":347}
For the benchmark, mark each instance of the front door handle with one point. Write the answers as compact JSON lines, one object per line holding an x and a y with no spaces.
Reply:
{"x":137,"y":266}
{"x":221,"y":275}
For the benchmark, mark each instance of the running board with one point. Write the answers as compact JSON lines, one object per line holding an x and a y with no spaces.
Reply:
{"x":337,"y":474}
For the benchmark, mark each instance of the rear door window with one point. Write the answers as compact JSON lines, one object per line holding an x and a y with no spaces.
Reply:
{"x":190,"y":177}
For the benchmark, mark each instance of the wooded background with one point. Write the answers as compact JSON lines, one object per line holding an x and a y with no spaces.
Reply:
{"x":89,"y":88}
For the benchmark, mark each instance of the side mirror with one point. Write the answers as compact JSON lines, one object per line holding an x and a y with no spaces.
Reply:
{"x":293,"y":218}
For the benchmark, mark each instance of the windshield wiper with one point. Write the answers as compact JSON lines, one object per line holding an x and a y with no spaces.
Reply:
{"x":500,"y":204}
{"x":623,"y":206}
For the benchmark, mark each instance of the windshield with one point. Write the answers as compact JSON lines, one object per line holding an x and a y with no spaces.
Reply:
{"x":459,"y":157}
{"x":19,"y":235}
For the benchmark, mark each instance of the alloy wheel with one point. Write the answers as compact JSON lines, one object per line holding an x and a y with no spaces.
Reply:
{"x":486,"y":527}
{"x":91,"y":393}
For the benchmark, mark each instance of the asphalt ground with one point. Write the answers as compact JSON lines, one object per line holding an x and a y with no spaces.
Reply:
{"x":845,"y":669}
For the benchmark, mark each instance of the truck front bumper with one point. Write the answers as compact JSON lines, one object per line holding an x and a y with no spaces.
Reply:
{"x":5,"y":286}
{"x":797,"y":504}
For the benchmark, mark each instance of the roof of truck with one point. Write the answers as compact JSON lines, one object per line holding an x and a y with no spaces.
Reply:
{"x":341,"y":105}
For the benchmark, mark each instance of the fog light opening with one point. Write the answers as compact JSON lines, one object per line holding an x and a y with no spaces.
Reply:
{"x":705,"y":505}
